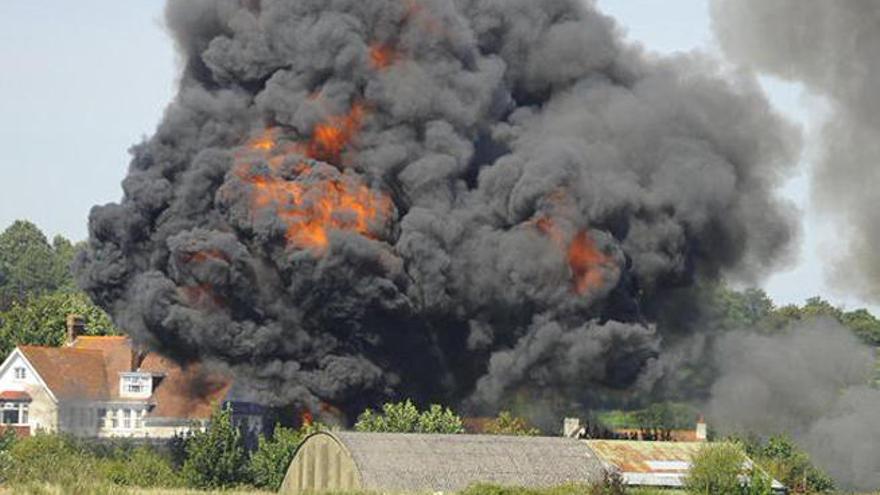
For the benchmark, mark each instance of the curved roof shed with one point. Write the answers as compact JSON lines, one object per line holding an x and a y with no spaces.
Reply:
{"x":412,"y":462}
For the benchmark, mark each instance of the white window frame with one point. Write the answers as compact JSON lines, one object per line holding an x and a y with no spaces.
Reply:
{"x":20,"y":373}
{"x":21,"y":408}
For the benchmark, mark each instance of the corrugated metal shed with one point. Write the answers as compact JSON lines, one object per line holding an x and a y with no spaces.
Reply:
{"x":397,"y":462}
{"x":658,"y":464}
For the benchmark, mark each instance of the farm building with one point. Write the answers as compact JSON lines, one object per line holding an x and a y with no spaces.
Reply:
{"x":651,"y":464}
{"x":399,"y":462}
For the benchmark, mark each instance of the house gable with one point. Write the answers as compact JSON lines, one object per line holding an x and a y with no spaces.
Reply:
{"x":8,"y":371}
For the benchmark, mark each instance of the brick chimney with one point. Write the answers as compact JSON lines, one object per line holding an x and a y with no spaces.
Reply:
{"x":76,"y":326}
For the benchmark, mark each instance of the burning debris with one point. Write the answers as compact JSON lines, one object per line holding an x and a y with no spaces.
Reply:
{"x":445,"y":199}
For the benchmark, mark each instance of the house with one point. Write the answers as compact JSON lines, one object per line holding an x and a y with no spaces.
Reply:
{"x":338,"y":461}
{"x":103,"y":387}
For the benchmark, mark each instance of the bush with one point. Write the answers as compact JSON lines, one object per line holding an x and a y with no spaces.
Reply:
{"x":790,"y":465}
{"x":141,"y":467}
{"x":404,"y":417}
{"x":270,"y":461}
{"x":717,"y":469}
{"x":610,"y":484}
{"x":216,"y":458}
{"x":50,"y":459}
{"x":508,"y":424}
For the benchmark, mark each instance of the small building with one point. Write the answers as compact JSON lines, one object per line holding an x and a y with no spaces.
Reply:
{"x":651,"y":464}
{"x":103,"y":387}
{"x":419,"y":463}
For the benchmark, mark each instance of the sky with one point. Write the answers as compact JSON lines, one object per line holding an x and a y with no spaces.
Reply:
{"x":80,"y":82}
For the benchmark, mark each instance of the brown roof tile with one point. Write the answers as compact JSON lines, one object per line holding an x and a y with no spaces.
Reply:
{"x":70,"y":373}
{"x":188,"y":392}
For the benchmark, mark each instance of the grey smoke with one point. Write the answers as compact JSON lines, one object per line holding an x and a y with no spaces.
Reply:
{"x":831,"y":47}
{"x":811,"y":382}
{"x":505,"y":133}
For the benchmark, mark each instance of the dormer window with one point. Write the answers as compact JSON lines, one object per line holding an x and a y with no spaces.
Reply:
{"x":135,"y":385}
{"x":20,"y":372}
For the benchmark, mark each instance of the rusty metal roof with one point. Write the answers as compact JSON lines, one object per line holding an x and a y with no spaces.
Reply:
{"x":661,"y":464}
{"x":646,"y":457}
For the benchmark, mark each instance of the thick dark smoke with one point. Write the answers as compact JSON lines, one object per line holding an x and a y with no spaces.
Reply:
{"x":811,"y":383}
{"x":831,"y":47}
{"x":515,"y":191}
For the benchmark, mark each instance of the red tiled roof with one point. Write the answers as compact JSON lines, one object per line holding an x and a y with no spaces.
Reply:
{"x":188,"y":392}
{"x":14,"y":395}
{"x":89,"y":370}
{"x":70,"y":373}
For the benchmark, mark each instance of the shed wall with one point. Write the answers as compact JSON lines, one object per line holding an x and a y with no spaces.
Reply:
{"x":321,"y":464}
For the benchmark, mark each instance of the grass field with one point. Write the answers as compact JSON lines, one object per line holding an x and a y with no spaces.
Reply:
{"x":115,"y":490}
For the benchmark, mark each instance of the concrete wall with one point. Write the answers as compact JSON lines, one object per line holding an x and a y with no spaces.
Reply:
{"x":321,"y":464}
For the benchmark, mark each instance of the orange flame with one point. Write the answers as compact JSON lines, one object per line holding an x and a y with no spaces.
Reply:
{"x":310,"y":209}
{"x":202,"y":295}
{"x":203,"y":256}
{"x":306,"y":418}
{"x":587,"y":263}
{"x":331,"y":137}
{"x":382,"y":56}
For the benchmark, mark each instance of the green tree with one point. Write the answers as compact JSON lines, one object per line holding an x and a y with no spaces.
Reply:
{"x":215,"y":457}
{"x":508,"y":424}
{"x":270,"y":461}
{"x":404,"y":417}
{"x":30,"y":265}
{"x":721,"y":469}
{"x":864,"y":324}
{"x":42,"y":320}
{"x":780,"y":457}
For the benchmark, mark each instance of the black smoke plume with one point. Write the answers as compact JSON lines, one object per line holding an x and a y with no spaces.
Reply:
{"x":810,"y":382}
{"x":453,"y":200}
{"x":830,"y":47}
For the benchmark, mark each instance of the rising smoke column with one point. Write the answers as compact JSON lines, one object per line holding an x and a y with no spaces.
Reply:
{"x":830,"y":47}
{"x":810,"y":382}
{"x":353,"y":200}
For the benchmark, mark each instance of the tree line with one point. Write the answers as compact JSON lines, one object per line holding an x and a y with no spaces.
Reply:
{"x":37,"y":290}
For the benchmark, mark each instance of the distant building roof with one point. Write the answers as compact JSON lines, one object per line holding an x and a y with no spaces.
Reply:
{"x":398,"y":462}
{"x":657,"y":464}
{"x":657,"y":435}
{"x":90,"y":367}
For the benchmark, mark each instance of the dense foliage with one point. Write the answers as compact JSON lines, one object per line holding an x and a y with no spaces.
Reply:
{"x":74,"y":465}
{"x":37,"y":290}
{"x":721,"y":469}
{"x":508,"y":424}
{"x":30,"y":265}
{"x":216,"y":457}
{"x":781,"y":458}
{"x":662,"y":415}
{"x":269,"y":462}
{"x":405,"y":417}
{"x":41,"y":320}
